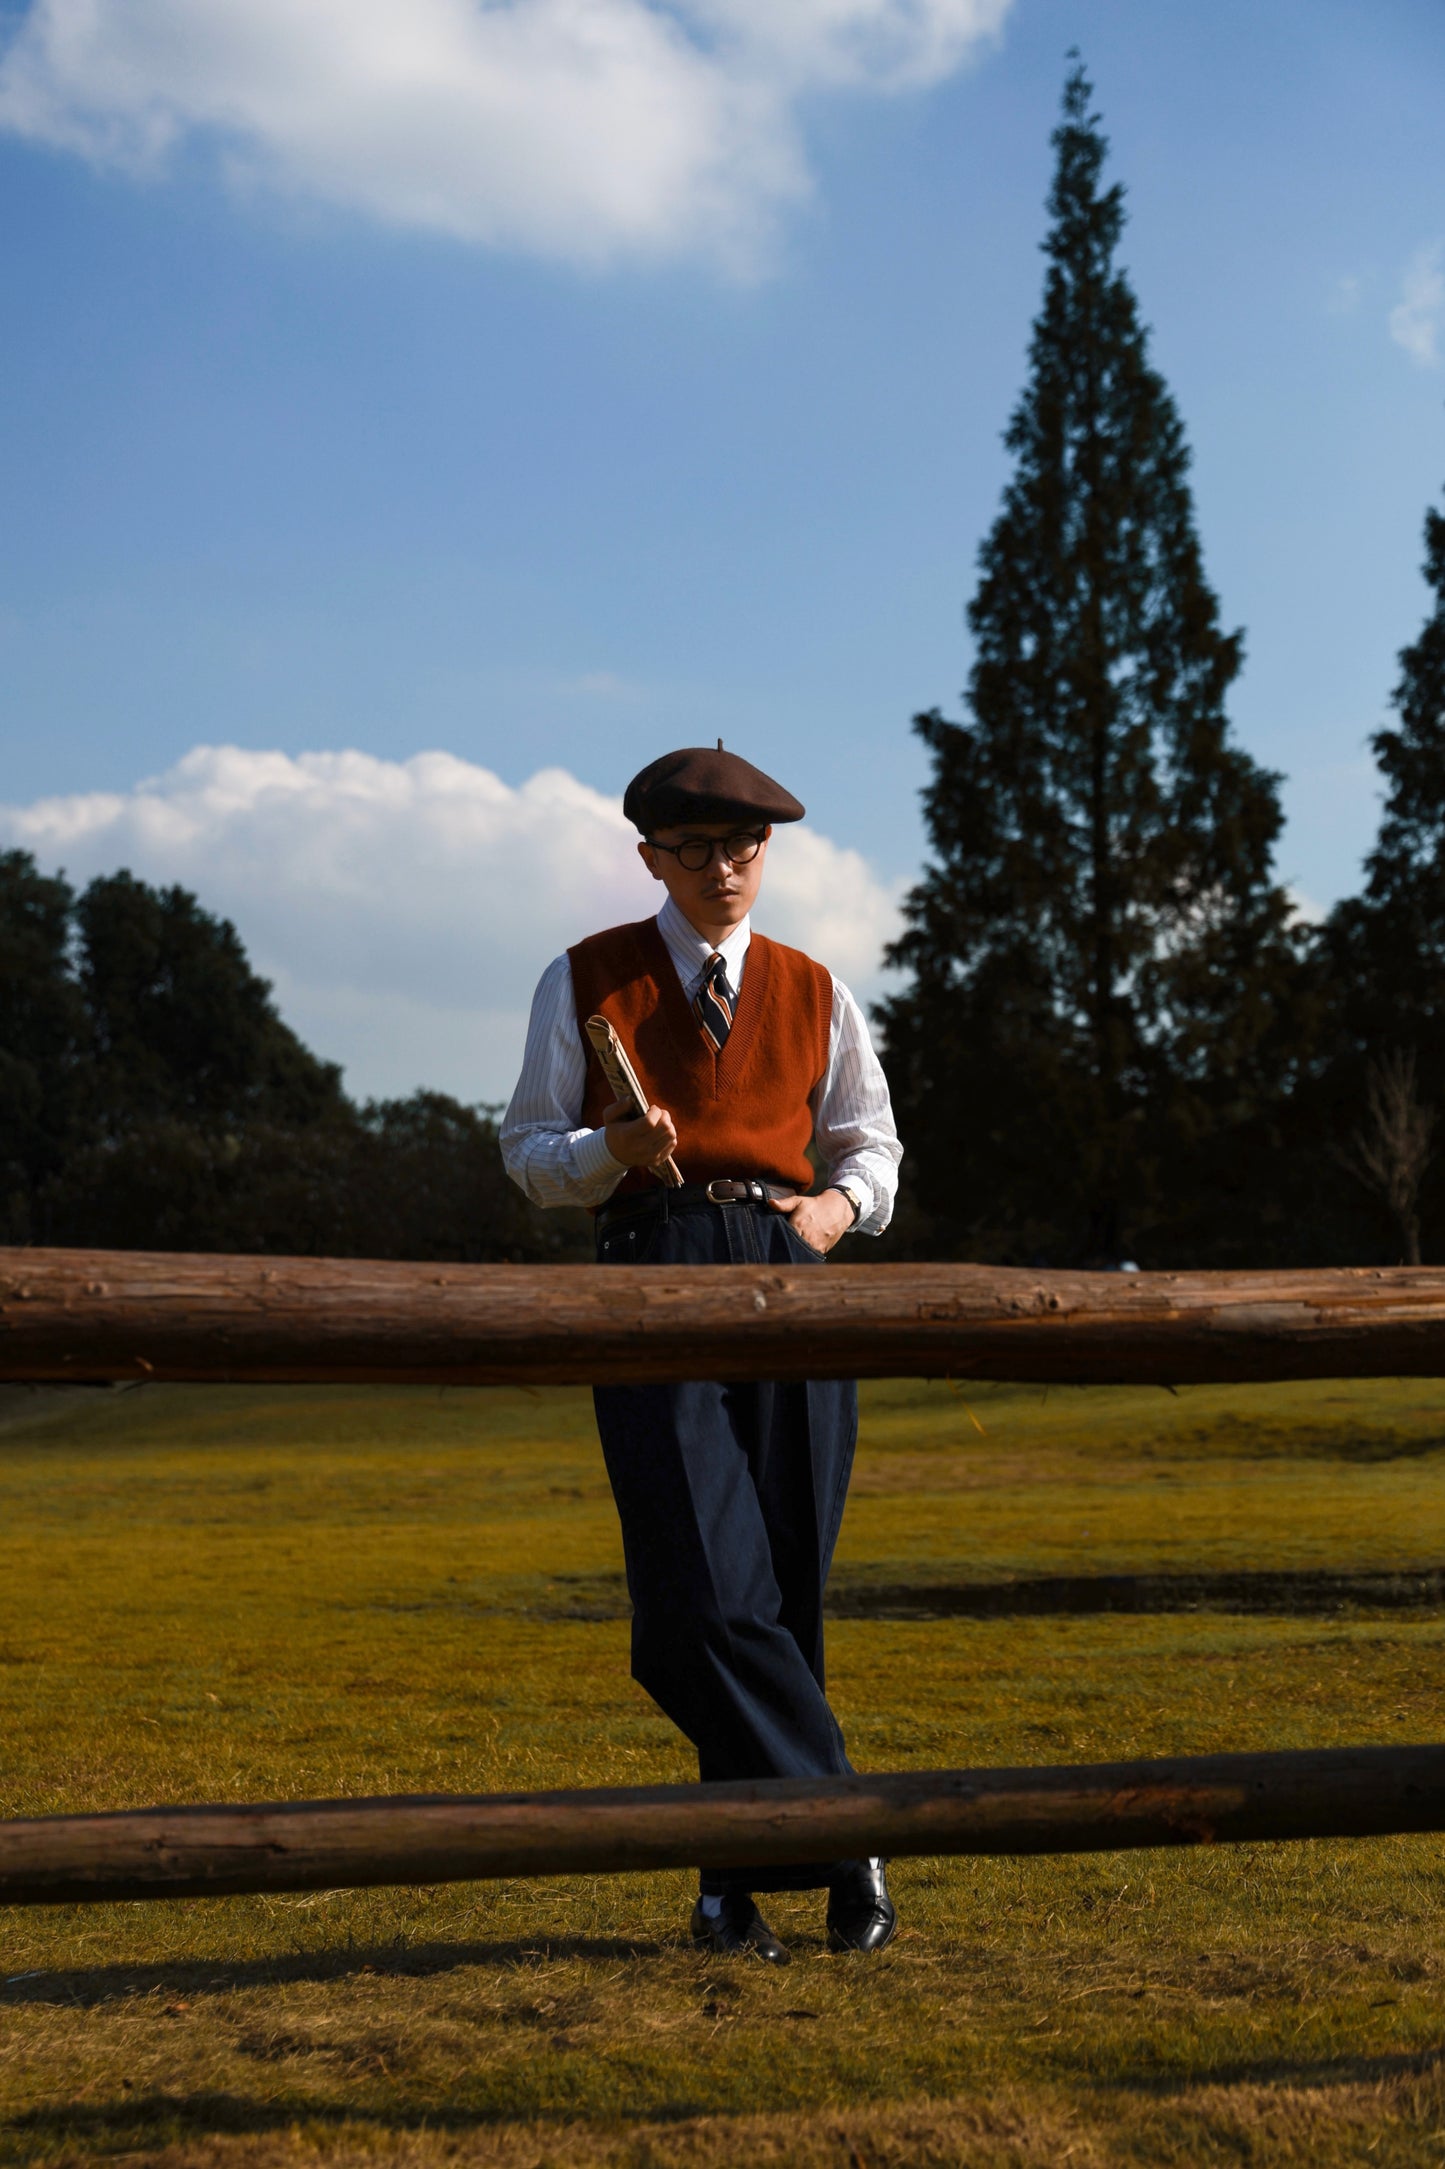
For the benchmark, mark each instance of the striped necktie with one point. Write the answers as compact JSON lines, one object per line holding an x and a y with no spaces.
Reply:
{"x":712,"y":1004}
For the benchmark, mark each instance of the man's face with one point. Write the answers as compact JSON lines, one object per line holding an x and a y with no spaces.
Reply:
{"x":721,"y":893}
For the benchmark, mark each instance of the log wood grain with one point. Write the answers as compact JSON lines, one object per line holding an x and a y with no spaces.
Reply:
{"x":192,"y":1852}
{"x":75,"y":1315}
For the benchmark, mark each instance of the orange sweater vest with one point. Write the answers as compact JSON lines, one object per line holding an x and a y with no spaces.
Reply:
{"x":743,"y":1112}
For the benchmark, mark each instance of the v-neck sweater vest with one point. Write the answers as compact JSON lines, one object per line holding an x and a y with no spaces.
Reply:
{"x":744,"y":1112}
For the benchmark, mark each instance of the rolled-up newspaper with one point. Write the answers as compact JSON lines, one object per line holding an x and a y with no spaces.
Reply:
{"x":626,"y":1086}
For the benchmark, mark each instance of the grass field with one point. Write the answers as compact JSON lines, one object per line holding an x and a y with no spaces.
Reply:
{"x":214,"y":1594}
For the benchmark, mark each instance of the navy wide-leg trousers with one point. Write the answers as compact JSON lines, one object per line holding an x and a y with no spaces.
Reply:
{"x":730,"y":1498}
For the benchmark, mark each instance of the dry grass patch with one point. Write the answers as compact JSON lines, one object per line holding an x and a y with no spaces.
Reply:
{"x":226,"y":1595}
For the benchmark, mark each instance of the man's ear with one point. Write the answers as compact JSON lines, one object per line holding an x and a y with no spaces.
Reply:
{"x":649,"y":859}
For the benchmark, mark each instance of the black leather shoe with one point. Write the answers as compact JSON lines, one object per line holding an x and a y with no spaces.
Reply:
{"x":861,"y":1915}
{"x":738,"y":1930}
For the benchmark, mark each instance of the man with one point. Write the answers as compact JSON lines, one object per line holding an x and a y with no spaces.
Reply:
{"x":730,"y":1496}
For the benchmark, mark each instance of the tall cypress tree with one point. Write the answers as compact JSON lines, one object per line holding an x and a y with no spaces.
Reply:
{"x":1383,"y":953}
{"x":1400,"y":919}
{"x":1095,"y":944}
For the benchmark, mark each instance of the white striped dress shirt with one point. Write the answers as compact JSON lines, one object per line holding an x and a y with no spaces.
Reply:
{"x":557,"y":1162}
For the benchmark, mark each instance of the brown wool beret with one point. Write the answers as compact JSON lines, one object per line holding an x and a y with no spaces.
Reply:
{"x":702,"y":783}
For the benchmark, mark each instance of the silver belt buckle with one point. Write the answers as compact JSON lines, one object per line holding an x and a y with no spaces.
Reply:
{"x":734,"y":1190}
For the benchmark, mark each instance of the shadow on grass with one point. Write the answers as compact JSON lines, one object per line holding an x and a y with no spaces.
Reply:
{"x":1290,"y":1593}
{"x":151,"y":2119}
{"x":1305,"y":1593}
{"x":130,"y":2122}
{"x":1316,"y":2071}
{"x":87,"y":1987}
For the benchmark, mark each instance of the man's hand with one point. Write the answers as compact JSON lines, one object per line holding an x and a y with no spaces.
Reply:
{"x":820,"y":1217}
{"x":639,"y":1140}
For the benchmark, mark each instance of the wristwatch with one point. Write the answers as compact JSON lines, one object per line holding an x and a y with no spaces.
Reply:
{"x":855,"y":1198}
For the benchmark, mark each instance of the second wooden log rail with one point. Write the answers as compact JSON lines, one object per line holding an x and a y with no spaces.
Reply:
{"x":76,"y":1315}
{"x":198,"y":1852}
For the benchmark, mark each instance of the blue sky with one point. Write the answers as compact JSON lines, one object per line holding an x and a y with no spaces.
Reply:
{"x":294,"y":460}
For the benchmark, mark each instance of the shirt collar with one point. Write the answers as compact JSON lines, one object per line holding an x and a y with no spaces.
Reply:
{"x":689,"y":951}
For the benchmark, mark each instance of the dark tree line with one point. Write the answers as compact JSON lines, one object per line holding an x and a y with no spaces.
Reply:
{"x":1117,"y":1040}
{"x":151,"y":1097}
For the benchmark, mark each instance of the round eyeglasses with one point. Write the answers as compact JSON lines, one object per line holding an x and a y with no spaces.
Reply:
{"x":695,"y":853}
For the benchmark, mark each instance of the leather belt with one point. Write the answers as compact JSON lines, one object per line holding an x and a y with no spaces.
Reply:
{"x":723,"y":1190}
{"x":753,"y":1190}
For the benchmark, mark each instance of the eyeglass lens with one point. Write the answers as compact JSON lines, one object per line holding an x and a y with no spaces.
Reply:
{"x":697,"y":851}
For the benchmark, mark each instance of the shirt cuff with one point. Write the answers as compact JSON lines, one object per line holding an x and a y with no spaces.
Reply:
{"x":599,"y":1171}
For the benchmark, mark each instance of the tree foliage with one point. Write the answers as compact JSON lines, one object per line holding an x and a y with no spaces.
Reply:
{"x":42,"y":1033}
{"x":152,"y":1098}
{"x":1098,"y":948}
{"x":181,"y":1027}
{"x":1390,"y":942}
{"x":1382,"y":953}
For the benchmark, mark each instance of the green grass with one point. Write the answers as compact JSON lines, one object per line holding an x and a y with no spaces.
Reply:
{"x":215,"y":1594}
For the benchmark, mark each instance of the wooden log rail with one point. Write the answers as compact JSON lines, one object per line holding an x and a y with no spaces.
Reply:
{"x":94,"y":1315}
{"x":335,"y":1844}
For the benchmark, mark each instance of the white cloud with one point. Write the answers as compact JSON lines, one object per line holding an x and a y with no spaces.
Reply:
{"x":405,"y":909}
{"x":1416,"y":319}
{"x":581,"y":129}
